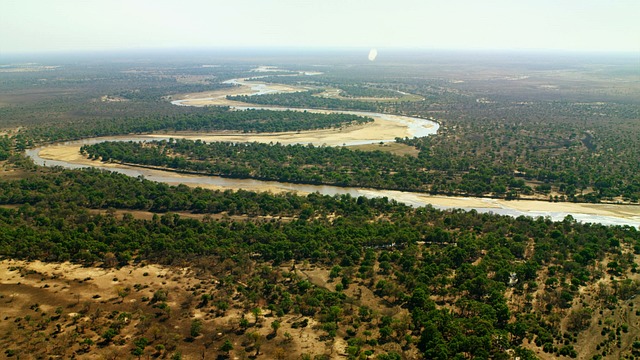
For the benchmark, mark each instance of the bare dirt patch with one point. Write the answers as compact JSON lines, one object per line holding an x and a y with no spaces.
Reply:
{"x":12,"y":174}
{"x":112,"y":98}
{"x":67,"y":310}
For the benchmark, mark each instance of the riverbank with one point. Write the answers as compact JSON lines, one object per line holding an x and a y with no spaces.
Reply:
{"x":384,"y":128}
{"x":611,"y":214}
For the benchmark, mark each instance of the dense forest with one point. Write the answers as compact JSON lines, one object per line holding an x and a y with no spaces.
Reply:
{"x":355,"y":91}
{"x":6,"y":145}
{"x":305,"y":99}
{"x":73,"y":92}
{"x":374,"y":169}
{"x":569,"y":147}
{"x":209,"y":119}
{"x":346,"y":89}
{"x":290,"y":163}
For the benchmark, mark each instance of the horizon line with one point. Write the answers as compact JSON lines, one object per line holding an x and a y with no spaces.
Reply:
{"x":309,"y":49}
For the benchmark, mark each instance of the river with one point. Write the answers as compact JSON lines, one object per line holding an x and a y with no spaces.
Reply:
{"x":608,"y":214}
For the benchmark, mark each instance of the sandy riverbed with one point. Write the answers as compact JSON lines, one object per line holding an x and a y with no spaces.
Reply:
{"x":219,"y":97}
{"x":631,"y":212}
{"x":381,"y":128}
{"x":71,"y":153}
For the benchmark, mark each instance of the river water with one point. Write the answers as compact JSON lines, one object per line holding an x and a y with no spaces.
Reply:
{"x":595,"y":213}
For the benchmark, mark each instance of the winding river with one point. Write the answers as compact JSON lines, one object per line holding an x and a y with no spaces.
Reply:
{"x":384,"y":129}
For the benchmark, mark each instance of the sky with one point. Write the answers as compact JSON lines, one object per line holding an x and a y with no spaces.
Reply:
{"x":90,"y":25}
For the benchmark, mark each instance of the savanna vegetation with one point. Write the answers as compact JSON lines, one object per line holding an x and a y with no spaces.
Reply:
{"x":451,"y":270}
{"x":561,"y":140}
{"x":260,"y":275}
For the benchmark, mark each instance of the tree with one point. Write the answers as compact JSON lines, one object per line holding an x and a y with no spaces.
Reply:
{"x":334,"y":314}
{"x":244,"y":323}
{"x":109,"y":334}
{"x":257,"y":341}
{"x":579,"y":319}
{"x":275,"y":325}
{"x":123,"y":292}
{"x":196,"y":328}
{"x":256,"y":314}
{"x":335,"y":272}
{"x":137,"y":352}
{"x":227,"y":346}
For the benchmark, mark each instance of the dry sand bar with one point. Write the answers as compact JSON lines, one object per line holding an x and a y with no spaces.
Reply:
{"x":385,"y":128}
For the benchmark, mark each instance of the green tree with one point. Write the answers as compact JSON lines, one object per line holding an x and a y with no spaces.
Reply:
{"x":256,"y":314}
{"x":275,"y":325}
{"x":196,"y":328}
{"x":227,"y":346}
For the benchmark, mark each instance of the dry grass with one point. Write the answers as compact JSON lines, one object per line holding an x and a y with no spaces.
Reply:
{"x":9,"y":172}
{"x":63,"y":310}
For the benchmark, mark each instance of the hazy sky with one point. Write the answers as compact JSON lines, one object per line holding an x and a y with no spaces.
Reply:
{"x":60,"y":25}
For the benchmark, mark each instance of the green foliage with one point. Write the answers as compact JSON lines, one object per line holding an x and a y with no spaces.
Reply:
{"x":227,"y":346}
{"x":209,"y":119}
{"x":139,"y":344}
{"x":389,"y":356}
{"x":579,"y":319}
{"x":109,"y":334}
{"x":159,"y":296}
{"x":196,"y":328}
{"x":304,"y":99}
{"x":304,"y":164}
{"x":313,"y":165}
{"x":275,"y":325}
{"x":449,"y":269}
{"x":6,"y":144}
{"x":367,"y":92}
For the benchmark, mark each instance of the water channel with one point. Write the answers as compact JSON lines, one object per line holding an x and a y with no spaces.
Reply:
{"x":608,"y":214}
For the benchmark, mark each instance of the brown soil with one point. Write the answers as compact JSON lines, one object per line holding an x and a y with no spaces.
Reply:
{"x":64,"y":310}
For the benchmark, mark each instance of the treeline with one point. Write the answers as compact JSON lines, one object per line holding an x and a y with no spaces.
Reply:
{"x":72,"y":93}
{"x":305,"y":99}
{"x":576,"y":157}
{"x":434,"y":170}
{"x":6,"y":145}
{"x":304,"y":164}
{"x":209,"y":119}
{"x":367,"y":91}
{"x":157,"y":93}
{"x":90,"y":188}
{"x":569,"y":145}
{"x":420,"y":259}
